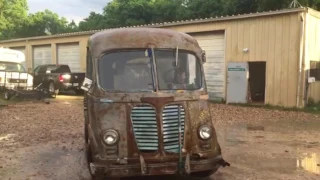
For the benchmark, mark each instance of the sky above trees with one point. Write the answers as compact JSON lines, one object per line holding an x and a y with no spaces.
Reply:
{"x":70,"y":9}
{"x":18,"y":20}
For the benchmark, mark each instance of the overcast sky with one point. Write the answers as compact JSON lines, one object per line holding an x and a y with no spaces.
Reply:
{"x":71,"y":9}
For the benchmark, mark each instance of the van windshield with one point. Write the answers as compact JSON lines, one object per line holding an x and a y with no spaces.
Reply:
{"x":11,"y":67}
{"x":132,"y":70}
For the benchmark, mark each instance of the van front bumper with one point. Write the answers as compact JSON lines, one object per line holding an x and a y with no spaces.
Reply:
{"x":169,"y":168}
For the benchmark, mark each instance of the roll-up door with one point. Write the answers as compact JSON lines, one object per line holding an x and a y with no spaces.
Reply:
{"x":69,"y":54}
{"x":214,"y":45}
{"x":42,"y":55}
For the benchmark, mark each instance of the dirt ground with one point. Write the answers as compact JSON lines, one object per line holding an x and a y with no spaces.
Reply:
{"x":45,"y":141}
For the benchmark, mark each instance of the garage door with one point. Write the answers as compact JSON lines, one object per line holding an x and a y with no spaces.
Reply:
{"x":69,"y":54}
{"x":23,"y":50}
{"x":214,"y":45}
{"x":42,"y":55}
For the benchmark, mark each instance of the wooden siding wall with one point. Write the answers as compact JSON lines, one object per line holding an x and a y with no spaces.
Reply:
{"x":274,"y":39}
{"x":313,"y":51}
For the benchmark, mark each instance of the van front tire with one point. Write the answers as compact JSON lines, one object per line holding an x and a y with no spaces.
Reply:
{"x":94,"y":175}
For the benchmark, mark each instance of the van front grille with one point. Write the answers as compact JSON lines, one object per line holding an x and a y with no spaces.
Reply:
{"x":145,"y":129}
{"x":170,"y":121}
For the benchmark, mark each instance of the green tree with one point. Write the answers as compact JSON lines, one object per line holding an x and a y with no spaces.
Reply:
{"x":167,"y":10}
{"x":12,"y":14}
{"x":45,"y":23}
{"x":94,"y":21}
{"x":72,"y":27}
{"x":128,"y":12}
{"x":205,"y":8}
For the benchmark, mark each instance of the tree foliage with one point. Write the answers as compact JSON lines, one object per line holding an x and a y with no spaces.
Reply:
{"x":12,"y":15}
{"x":16,"y":23}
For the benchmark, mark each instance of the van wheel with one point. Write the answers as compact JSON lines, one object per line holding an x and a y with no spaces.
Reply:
{"x":94,"y":175}
{"x":7,"y":95}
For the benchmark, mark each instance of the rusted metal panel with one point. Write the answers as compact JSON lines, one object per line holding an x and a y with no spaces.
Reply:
{"x":113,"y":116}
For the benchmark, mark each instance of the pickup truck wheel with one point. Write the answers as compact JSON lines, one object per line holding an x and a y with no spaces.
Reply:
{"x":7,"y":95}
{"x":52,"y":90}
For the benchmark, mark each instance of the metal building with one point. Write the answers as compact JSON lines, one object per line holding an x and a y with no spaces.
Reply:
{"x":262,"y":57}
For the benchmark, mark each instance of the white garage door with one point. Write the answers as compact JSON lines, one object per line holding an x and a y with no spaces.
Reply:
{"x":69,"y":54}
{"x":23,"y":50}
{"x":42,"y":55}
{"x":214,"y":45}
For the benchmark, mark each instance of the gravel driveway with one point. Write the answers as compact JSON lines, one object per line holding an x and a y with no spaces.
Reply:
{"x":40,"y":141}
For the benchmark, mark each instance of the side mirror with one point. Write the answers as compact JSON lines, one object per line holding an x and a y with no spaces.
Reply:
{"x":86,"y":85}
{"x":203,"y":56}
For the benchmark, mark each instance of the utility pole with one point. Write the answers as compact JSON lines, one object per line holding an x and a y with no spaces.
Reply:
{"x":295,"y":4}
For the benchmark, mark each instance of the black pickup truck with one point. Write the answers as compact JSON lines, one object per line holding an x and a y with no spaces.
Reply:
{"x":58,"y":78}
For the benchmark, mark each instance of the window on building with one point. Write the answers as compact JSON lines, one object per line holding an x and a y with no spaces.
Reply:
{"x":315,"y":70}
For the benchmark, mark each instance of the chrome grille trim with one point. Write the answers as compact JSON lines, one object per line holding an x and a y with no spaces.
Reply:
{"x":145,"y":128}
{"x":170,"y":123}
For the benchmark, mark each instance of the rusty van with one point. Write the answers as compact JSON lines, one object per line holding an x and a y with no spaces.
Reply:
{"x":146,"y":106}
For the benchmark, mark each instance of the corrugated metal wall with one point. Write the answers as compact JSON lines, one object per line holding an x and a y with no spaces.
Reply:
{"x":313,"y":51}
{"x":314,"y":91}
{"x":274,"y":39}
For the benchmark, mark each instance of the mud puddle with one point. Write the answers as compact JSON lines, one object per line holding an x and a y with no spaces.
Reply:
{"x":42,"y":162}
{"x":285,"y":149}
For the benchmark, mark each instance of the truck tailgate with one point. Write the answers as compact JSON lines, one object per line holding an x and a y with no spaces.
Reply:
{"x":77,"y":78}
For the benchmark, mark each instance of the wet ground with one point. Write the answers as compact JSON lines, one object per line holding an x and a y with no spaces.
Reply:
{"x":45,"y":141}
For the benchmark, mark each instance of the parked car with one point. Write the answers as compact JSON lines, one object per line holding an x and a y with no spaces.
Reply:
{"x":58,"y":78}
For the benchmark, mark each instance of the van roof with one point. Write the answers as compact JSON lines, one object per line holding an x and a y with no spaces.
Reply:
{"x":10,"y":55}
{"x":137,"y":38}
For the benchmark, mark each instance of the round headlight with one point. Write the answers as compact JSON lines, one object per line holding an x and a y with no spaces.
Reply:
{"x":205,"y":132}
{"x":110,"y":137}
